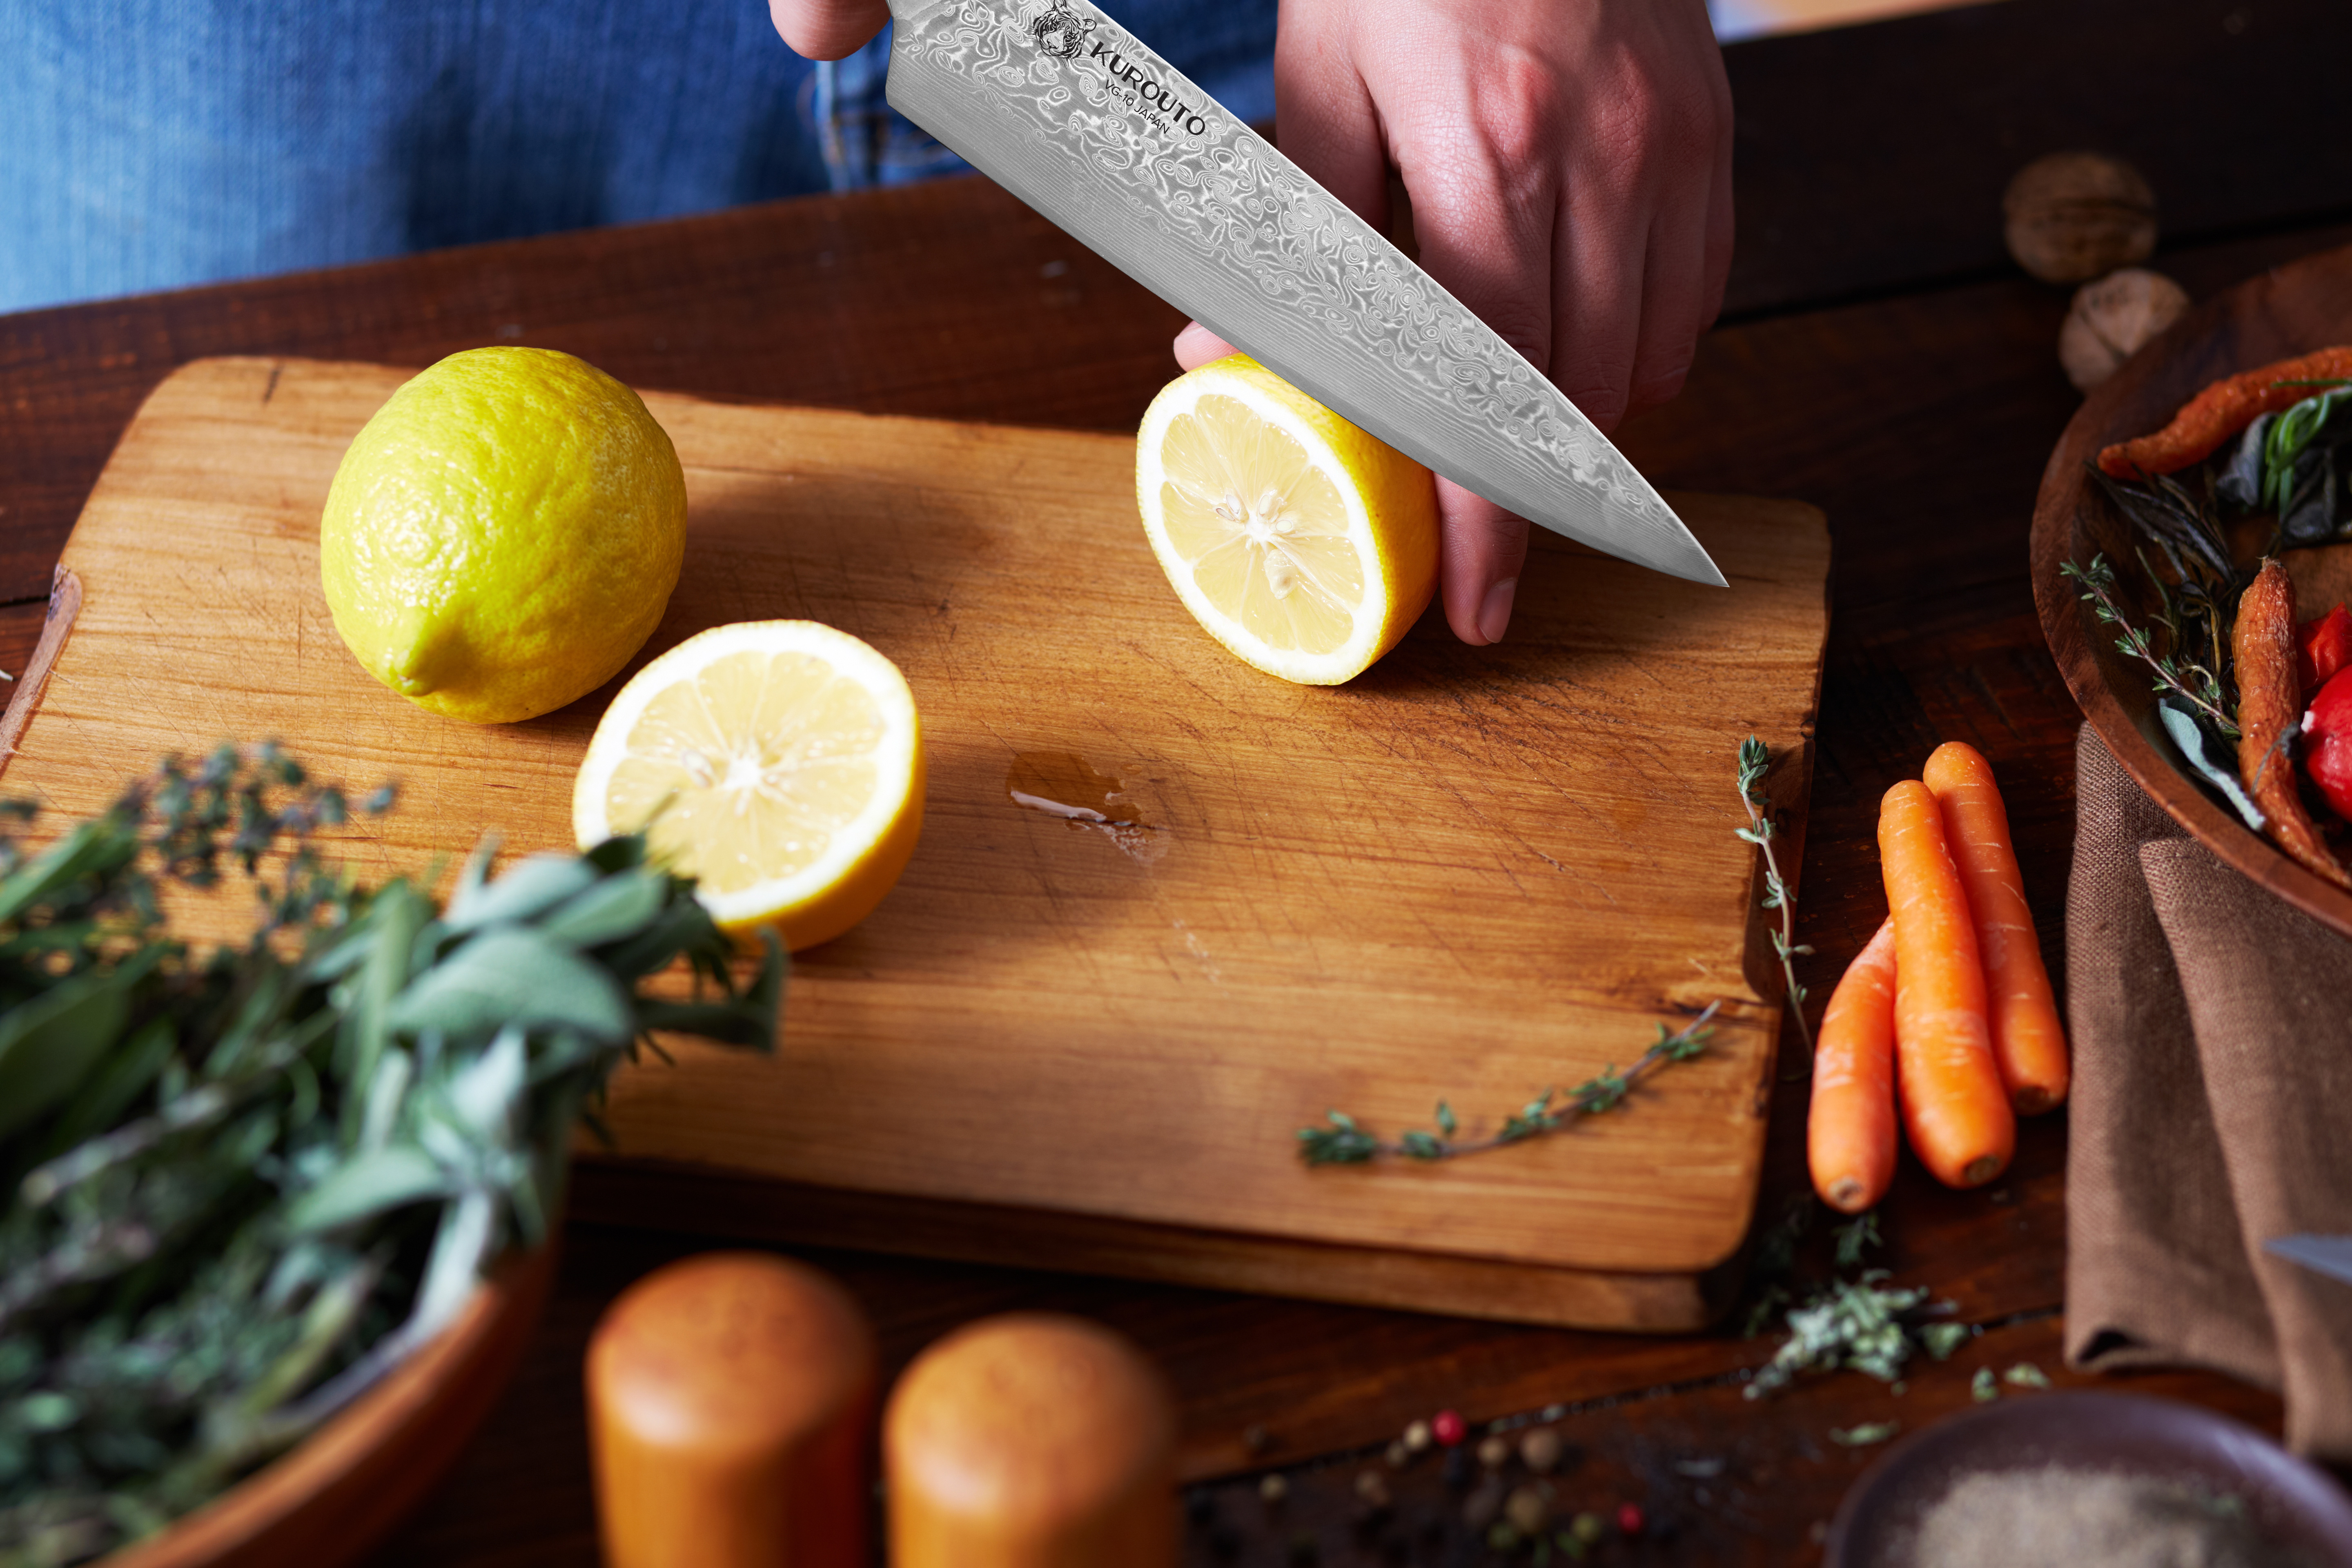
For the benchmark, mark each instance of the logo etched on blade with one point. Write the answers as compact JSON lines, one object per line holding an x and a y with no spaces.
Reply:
{"x":1060,"y":31}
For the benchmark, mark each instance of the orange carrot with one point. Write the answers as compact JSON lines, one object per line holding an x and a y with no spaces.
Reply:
{"x":1953,"y":1106}
{"x":2221,"y":411}
{"x":2029,"y":1043}
{"x":1849,"y":1129}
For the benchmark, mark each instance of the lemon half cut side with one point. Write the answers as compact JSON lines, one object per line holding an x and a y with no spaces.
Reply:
{"x":778,"y":763}
{"x":1303,"y":545}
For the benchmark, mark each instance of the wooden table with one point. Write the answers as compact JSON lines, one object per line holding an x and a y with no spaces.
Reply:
{"x":1879,"y":358}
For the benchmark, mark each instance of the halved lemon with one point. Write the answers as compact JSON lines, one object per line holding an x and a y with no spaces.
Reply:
{"x":1300,"y":543}
{"x":778,"y":763}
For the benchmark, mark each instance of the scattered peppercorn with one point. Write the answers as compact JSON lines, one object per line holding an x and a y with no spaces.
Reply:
{"x":1399,"y":1456}
{"x":1587,"y":1528}
{"x":1493,"y":1453}
{"x":1448,"y":1427}
{"x":1528,"y":1508}
{"x":1372,"y":1488}
{"x":1629,"y":1518}
{"x":1540,"y":1449}
{"x":1273,"y":1488}
{"x":1416,"y":1437}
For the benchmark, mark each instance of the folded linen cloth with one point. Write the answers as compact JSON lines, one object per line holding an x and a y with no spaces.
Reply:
{"x":2211,"y":1112}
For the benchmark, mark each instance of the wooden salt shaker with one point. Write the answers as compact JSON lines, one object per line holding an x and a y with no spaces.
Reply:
{"x":730,"y":1404}
{"x":1031,"y":1441}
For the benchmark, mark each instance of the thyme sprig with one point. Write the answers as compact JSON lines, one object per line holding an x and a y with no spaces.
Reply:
{"x":2193,"y":682}
{"x":1346,"y":1142}
{"x":1755,"y":759}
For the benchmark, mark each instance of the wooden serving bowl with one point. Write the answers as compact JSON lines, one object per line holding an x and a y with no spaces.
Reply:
{"x":327,"y":1500}
{"x":2290,"y":311}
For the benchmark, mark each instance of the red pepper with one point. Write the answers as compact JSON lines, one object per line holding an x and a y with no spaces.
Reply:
{"x":2327,"y":742}
{"x":2322,"y":648}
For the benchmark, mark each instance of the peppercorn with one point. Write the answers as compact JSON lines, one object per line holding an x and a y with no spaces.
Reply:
{"x":1493,"y":1453}
{"x":1273,"y":1489}
{"x":1372,"y":1488}
{"x":1448,"y":1427}
{"x":1527,"y":1509}
{"x":1541,"y":1450}
{"x":1587,"y":1528}
{"x":1417,"y":1436}
{"x":1629,"y":1518}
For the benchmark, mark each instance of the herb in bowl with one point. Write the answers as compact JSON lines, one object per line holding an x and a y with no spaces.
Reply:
{"x":242,"y":1185}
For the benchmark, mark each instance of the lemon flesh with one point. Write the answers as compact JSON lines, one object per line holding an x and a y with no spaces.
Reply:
{"x":503,"y":535}
{"x":778,"y":763}
{"x":1303,"y":545}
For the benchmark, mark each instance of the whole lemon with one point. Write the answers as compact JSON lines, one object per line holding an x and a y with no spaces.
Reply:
{"x":503,"y":534}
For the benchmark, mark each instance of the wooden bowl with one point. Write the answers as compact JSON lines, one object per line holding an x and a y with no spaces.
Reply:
{"x":2290,"y":311}
{"x":326,"y":1501}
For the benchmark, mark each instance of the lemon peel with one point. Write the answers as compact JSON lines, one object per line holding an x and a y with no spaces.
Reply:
{"x":503,"y":534}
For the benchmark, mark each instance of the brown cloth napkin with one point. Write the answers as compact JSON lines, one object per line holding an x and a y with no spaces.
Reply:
{"x":2211,"y":1112}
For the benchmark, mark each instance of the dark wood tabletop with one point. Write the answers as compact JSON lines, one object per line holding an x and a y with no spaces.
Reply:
{"x":1879,"y":357}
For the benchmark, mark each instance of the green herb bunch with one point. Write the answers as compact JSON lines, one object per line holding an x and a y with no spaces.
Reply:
{"x":241,"y":1185}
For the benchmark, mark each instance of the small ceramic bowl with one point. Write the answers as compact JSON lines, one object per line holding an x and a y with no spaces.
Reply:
{"x":2291,"y":1503}
{"x":326,"y":1501}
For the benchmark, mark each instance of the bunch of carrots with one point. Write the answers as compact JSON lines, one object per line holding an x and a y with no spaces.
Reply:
{"x":1948,"y":1011}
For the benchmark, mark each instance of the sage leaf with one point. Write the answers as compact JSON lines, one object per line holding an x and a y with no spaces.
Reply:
{"x":513,"y":974}
{"x":366,"y":1185}
{"x":485,"y":1093}
{"x":2197,"y":747}
{"x":615,"y":907}
{"x":50,"y":1043}
{"x":528,"y":888}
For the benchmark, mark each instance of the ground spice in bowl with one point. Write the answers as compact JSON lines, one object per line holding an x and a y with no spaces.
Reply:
{"x":2058,"y":1517}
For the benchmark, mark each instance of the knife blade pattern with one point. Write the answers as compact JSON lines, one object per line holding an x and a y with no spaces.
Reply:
{"x":1085,"y":93}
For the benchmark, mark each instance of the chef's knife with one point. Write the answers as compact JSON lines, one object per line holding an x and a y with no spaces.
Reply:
{"x":1065,"y":108}
{"x":2328,"y":1254}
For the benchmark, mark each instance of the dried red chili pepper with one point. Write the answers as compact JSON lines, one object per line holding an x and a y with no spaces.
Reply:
{"x":2270,"y":707}
{"x":2221,"y":411}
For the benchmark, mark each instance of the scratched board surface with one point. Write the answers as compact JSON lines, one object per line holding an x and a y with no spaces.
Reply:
{"x":1165,"y":909}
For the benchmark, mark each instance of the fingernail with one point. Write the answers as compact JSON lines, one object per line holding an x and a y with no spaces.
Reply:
{"x":1494,"y":614}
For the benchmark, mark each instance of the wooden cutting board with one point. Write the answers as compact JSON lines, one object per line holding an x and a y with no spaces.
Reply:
{"x":1469,"y":874}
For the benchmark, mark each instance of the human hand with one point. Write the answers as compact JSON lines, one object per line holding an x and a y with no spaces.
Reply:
{"x":1569,"y":163}
{"x":827,"y":29}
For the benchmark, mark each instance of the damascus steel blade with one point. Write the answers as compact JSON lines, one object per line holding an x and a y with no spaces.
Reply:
{"x":1065,"y":108}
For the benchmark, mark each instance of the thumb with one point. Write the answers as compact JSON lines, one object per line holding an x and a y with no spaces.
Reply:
{"x":1197,"y":346}
{"x":827,"y":29}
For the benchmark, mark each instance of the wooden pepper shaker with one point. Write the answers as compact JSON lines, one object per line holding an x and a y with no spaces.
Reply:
{"x":1031,"y":1441}
{"x":730,"y":1407}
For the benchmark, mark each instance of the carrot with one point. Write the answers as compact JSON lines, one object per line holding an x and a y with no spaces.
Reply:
{"x":2221,"y":411}
{"x":1953,"y":1105}
{"x":2029,"y":1043}
{"x":1850,"y":1128}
